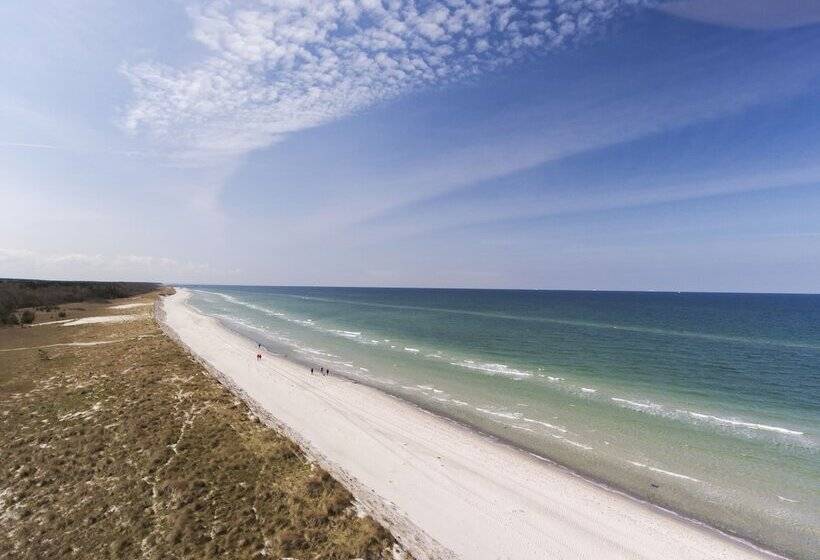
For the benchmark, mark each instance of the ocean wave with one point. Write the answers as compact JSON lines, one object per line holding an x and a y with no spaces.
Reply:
{"x":491,"y":368}
{"x":741,"y":424}
{"x":429,"y":388}
{"x":634,"y":404}
{"x":578,"y":323}
{"x":573,"y":443}
{"x":315,"y":352}
{"x":346,"y":334}
{"x":523,"y":428}
{"x":545,"y":424}
{"x":739,"y":427}
{"x":661,"y":471}
{"x":266,"y":310}
{"x":500,"y":414}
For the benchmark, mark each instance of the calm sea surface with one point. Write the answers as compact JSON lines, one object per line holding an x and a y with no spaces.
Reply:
{"x":708,"y":404}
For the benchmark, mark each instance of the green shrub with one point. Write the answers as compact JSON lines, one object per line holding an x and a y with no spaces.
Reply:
{"x":12,"y":319}
{"x":27,"y":317}
{"x":61,"y":314}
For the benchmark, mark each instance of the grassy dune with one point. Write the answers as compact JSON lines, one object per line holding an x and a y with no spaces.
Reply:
{"x":128,"y":448}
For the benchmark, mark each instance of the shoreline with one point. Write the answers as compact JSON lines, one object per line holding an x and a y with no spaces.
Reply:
{"x":496,"y":439}
{"x":674,"y":534}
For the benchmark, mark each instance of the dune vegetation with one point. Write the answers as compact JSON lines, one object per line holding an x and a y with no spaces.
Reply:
{"x":117,"y":444}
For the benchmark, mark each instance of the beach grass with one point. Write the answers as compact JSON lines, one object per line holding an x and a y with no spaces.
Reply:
{"x":128,"y":447}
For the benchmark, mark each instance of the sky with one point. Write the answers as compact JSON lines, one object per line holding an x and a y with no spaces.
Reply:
{"x":548,"y":144}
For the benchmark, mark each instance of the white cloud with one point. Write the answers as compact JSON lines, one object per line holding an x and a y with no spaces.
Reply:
{"x":748,"y":14}
{"x":27,"y":145}
{"x":22,"y":263}
{"x":553,"y":200}
{"x":276,"y":67}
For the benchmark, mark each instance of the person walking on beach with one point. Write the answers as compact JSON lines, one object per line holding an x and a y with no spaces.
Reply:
{"x":259,"y":351}
{"x":311,"y":371}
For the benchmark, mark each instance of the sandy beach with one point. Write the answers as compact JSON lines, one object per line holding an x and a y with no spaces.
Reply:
{"x":443,"y":490}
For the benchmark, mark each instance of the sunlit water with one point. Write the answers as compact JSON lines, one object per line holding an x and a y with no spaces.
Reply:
{"x":707,"y":404}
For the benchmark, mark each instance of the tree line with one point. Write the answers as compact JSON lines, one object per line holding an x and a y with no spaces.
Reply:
{"x":21,"y":294}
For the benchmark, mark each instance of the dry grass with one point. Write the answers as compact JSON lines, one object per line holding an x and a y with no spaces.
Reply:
{"x":130,"y":449}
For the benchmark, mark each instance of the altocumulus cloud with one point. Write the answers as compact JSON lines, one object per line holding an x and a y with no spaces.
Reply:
{"x":279,"y":66}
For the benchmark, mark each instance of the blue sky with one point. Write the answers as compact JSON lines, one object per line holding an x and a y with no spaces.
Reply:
{"x":589,"y":144}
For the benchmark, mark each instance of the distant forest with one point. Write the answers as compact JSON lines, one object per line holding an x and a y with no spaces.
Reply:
{"x":19,"y":294}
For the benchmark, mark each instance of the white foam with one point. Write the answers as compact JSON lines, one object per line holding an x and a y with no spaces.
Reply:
{"x":266,"y":311}
{"x":588,"y":390}
{"x":501,"y":414}
{"x":308,"y":350}
{"x":750,"y":425}
{"x":492,"y":369}
{"x":413,"y":350}
{"x":631,"y":404}
{"x":347,"y":334}
{"x":545,"y":424}
{"x":429,"y":388}
{"x":573,"y":443}
{"x":788,"y":500}
{"x":523,"y":428}
{"x":661,"y":471}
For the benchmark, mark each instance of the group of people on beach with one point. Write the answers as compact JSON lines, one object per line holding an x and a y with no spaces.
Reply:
{"x":322,"y":370}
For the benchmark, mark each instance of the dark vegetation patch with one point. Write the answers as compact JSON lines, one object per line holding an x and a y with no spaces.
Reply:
{"x":44,"y":295}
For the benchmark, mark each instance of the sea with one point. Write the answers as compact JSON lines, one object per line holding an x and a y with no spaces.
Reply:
{"x":705,"y":404}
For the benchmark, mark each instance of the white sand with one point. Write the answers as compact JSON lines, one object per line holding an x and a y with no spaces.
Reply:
{"x":50,"y":323}
{"x":130,"y":305}
{"x":105,"y":319}
{"x":95,"y":343}
{"x":443,"y":490}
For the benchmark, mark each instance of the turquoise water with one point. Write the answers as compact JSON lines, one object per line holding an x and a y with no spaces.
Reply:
{"x":707,"y":404}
